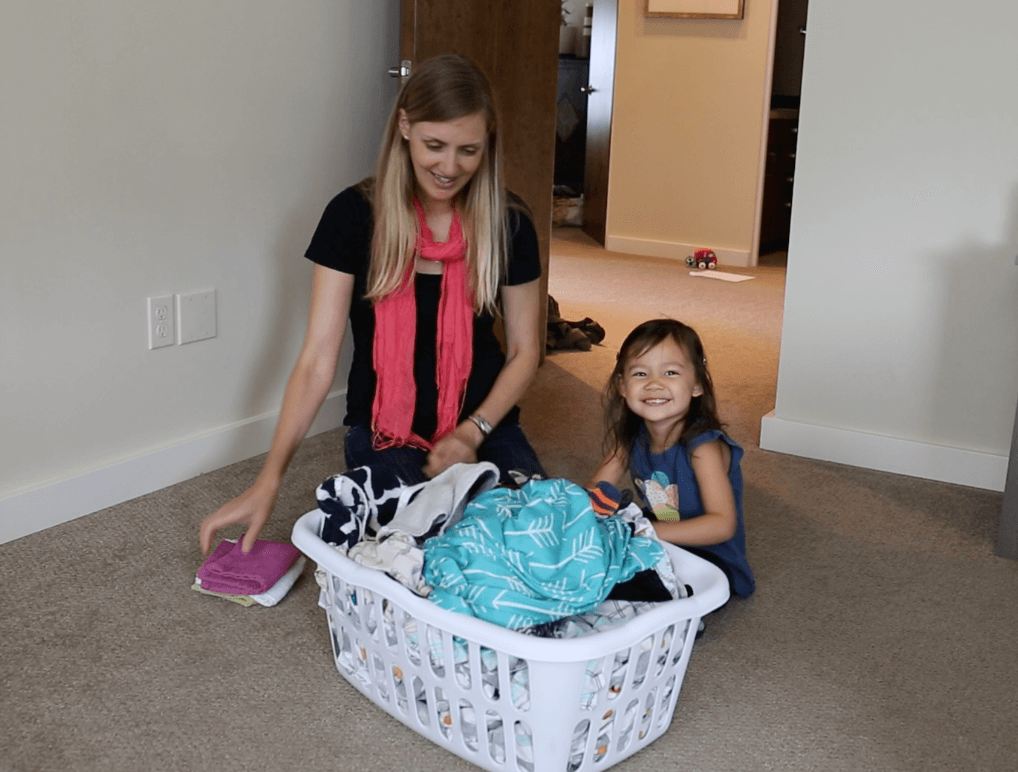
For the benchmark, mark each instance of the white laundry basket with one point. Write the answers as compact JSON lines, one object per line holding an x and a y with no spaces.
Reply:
{"x":503,"y":700}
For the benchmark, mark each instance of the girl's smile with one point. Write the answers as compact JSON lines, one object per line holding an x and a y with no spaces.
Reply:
{"x":658,"y":386}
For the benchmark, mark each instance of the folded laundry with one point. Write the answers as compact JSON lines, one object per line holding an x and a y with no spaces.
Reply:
{"x":229,"y":570}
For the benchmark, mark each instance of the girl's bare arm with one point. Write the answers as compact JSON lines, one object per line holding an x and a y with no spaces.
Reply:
{"x":612,"y":470}
{"x":710,"y":463}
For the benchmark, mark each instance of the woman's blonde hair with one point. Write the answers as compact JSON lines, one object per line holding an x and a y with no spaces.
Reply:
{"x":443,"y":88}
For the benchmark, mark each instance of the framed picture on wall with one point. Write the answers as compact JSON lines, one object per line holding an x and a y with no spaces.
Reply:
{"x":697,"y":9}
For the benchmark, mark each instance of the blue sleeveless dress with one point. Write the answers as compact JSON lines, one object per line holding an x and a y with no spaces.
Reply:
{"x":668,"y":487}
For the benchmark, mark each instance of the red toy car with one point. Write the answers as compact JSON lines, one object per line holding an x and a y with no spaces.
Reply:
{"x":703,"y":259}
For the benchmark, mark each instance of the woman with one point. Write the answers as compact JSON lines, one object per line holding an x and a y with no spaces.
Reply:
{"x":419,"y":258}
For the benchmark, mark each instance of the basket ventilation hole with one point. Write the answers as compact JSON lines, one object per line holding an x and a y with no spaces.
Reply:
{"x":399,"y":686}
{"x":361,"y":660}
{"x":578,"y":748}
{"x":489,"y":673}
{"x":604,"y":735}
{"x":648,"y":714}
{"x":643,"y":661}
{"x":337,"y":646}
{"x":463,"y":674}
{"x":411,"y":639}
{"x":618,"y":677}
{"x":496,"y":736}
{"x":389,"y":624}
{"x":442,"y":710}
{"x":350,"y":607}
{"x":433,"y":638}
{"x":524,"y":746}
{"x":662,"y":650}
{"x":519,"y":683}
{"x":593,"y":683}
{"x":677,"y":655}
{"x":461,"y":661}
{"x":666,"y":695}
{"x":381,"y":682}
{"x":468,"y":724}
{"x":370,"y":611}
{"x":421,"y":700}
{"x":628,"y":720}
{"x":345,"y":658}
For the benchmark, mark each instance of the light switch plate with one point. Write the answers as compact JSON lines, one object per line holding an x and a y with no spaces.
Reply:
{"x":196,"y":316}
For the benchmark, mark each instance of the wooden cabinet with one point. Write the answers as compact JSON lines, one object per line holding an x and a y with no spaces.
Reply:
{"x":779,"y":178}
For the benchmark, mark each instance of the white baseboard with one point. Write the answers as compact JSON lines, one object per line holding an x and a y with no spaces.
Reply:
{"x":675,"y":251}
{"x":885,"y":454}
{"x":53,"y":502}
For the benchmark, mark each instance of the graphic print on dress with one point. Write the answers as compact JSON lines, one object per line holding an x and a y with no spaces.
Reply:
{"x":661,"y":496}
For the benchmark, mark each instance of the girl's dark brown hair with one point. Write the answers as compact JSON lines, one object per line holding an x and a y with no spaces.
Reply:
{"x":622,"y":425}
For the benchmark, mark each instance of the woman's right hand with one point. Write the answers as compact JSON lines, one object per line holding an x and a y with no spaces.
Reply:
{"x":253,"y":506}
{"x":309,"y":383}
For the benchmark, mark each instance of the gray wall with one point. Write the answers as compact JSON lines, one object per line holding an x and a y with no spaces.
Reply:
{"x":158,"y":148}
{"x":901,"y":311}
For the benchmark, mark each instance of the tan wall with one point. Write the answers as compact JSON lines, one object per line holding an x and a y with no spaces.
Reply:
{"x":687,"y":127}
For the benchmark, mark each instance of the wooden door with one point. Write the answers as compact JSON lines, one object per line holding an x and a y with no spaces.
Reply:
{"x":515,"y":42}
{"x":601,"y":80}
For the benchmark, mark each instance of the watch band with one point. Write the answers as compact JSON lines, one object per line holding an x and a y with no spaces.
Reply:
{"x":481,"y":423}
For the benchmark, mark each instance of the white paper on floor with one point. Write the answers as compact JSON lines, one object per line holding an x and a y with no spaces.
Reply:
{"x":712,"y":274}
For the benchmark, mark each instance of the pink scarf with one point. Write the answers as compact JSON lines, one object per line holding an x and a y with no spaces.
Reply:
{"x":395,"y":333}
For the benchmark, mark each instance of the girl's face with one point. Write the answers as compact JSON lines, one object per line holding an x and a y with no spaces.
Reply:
{"x":659,"y":384}
{"x":444,"y":155}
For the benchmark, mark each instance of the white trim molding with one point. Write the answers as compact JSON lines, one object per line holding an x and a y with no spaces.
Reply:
{"x":885,"y":454}
{"x":673,"y":250}
{"x":27,"y":510}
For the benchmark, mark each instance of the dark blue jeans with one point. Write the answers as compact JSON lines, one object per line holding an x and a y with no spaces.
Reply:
{"x":506,"y":447}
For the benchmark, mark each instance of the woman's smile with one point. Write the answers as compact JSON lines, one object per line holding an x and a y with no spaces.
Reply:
{"x":445,"y":155}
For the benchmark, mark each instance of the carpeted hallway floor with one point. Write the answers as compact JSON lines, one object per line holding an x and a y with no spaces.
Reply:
{"x":882,"y":635}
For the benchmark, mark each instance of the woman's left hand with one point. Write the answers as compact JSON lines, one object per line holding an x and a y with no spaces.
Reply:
{"x":458,"y":447}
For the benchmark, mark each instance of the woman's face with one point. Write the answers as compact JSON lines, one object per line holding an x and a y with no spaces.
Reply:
{"x":444,"y":155}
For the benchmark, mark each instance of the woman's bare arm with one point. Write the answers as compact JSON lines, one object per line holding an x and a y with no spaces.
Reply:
{"x":309,"y":384}
{"x":522,"y":309}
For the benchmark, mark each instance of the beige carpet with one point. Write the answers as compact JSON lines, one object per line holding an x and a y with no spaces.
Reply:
{"x":883,"y":635}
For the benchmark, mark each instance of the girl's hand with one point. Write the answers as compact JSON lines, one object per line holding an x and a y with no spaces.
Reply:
{"x":253,"y":507}
{"x":456,"y":448}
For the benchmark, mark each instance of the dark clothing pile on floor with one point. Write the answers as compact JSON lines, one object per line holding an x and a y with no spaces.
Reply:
{"x":565,"y":334}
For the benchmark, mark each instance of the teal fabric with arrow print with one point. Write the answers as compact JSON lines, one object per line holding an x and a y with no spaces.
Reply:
{"x":524,"y":557}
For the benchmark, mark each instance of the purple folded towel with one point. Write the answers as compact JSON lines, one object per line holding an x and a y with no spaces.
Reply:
{"x":229,"y":570}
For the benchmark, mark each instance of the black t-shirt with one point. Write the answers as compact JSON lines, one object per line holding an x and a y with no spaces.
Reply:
{"x":342,"y":242}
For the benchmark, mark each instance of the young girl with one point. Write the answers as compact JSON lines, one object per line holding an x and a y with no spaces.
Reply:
{"x":661,"y":424}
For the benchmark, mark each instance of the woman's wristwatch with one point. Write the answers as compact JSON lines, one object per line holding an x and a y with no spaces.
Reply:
{"x":481,"y":423}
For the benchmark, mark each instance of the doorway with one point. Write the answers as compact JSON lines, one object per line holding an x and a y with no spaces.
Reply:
{"x":783,"y":131}
{"x":586,"y":76}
